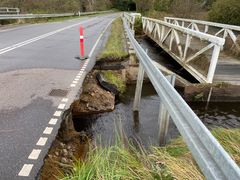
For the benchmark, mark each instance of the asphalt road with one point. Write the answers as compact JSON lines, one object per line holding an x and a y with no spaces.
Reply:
{"x":34,"y":61}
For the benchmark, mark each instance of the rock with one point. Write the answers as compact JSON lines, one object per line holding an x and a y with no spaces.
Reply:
{"x":70,"y":154}
{"x":69,"y":147}
{"x":57,"y":153}
{"x":64,"y":160}
{"x":65,"y":152}
{"x":70,"y":161}
{"x":61,"y":145}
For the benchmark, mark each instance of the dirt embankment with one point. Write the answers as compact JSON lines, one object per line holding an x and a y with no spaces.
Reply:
{"x":70,"y":144}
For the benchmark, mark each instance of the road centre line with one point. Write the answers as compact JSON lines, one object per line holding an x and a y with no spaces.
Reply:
{"x":15,"y":46}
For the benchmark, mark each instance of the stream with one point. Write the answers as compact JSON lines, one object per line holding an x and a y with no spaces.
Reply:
{"x":144,"y":128}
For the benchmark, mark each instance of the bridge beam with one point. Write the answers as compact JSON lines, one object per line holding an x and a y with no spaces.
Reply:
{"x":163,"y":118}
{"x":138,"y":91}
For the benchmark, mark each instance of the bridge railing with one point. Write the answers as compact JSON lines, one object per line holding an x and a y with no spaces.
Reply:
{"x":212,"y":159}
{"x":216,"y":29}
{"x":197,"y":52}
{"x":33,"y":16}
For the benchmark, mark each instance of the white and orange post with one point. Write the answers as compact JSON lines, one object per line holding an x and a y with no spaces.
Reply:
{"x":81,"y":40}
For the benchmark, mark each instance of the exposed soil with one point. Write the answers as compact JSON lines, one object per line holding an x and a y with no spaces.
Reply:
{"x":94,"y":99}
{"x":68,"y":147}
{"x":71,"y":145}
{"x":219,"y":92}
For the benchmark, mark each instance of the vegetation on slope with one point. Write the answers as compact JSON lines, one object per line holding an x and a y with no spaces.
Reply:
{"x":226,"y":11}
{"x":114,"y":49}
{"x":174,"y":161}
{"x":116,"y":79}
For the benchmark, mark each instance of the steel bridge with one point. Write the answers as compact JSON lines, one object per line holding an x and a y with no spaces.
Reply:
{"x":212,"y":159}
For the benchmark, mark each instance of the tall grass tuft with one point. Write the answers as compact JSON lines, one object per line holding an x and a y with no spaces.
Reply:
{"x":124,"y":161}
{"x":114,"y":49}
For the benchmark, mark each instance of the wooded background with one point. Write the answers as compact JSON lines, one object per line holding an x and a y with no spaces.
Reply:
{"x":225,"y":11}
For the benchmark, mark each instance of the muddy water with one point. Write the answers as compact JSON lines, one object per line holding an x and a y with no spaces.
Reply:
{"x":145,"y":128}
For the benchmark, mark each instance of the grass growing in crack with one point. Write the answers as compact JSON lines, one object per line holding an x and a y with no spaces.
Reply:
{"x":174,"y":161}
{"x":114,"y":48}
{"x":115,"y":79}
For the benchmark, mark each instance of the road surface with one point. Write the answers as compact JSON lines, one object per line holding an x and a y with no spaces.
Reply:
{"x":38,"y":71}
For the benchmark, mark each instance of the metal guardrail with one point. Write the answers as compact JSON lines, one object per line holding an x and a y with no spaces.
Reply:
{"x":130,"y":17}
{"x":7,"y":10}
{"x":178,"y":42}
{"x":216,"y":29}
{"x":34,"y":16}
{"x":212,"y":159}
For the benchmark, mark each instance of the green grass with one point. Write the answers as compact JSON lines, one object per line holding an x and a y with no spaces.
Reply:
{"x":115,"y":79}
{"x":114,"y":49}
{"x":173,"y":161}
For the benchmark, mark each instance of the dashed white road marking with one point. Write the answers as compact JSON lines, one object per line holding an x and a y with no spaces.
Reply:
{"x":34,"y":154}
{"x":53,"y":121}
{"x":61,"y":106}
{"x":26,"y":169}
{"x":48,"y":130}
{"x":74,"y":82}
{"x":42,"y":141}
{"x":57,"y":113}
{"x":65,"y":100}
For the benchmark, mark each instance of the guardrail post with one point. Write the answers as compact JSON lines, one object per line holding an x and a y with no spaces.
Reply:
{"x":163,"y":118}
{"x":138,"y":91}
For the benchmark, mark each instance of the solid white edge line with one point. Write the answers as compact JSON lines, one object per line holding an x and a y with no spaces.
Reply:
{"x":99,"y":38}
{"x":26,"y":170}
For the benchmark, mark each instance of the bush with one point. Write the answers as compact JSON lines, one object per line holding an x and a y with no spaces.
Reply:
{"x":225,"y":11}
{"x":185,"y":8}
{"x":162,"y":5}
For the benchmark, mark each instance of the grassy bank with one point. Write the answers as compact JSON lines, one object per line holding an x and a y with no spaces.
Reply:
{"x":114,"y":49}
{"x":171,"y":162}
{"x":115,"y":79}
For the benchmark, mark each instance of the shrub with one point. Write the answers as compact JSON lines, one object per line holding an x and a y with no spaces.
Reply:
{"x":185,"y":8}
{"x":225,"y":11}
